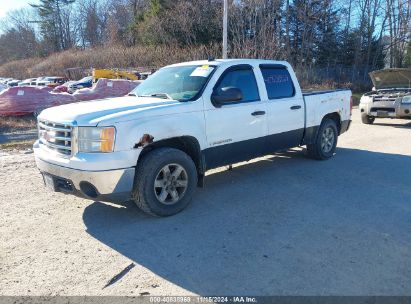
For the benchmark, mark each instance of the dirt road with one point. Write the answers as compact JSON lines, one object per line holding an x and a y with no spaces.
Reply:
{"x":280,"y":225}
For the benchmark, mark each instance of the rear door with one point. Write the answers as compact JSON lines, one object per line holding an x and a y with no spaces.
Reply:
{"x":236,"y":131}
{"x":285,"y":108}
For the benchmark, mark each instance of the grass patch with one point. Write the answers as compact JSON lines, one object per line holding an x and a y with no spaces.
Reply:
{"x":9,"y":124}
{"x":356,"y":98}
{"x":17,"y":145}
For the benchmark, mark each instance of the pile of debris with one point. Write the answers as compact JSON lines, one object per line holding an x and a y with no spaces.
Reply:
{"x":18,"y":101}
{"x":106,"y":88}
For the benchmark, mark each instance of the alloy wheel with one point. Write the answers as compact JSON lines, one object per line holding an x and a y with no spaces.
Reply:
{"x":327,"y":140}
{"x":170,"y":184}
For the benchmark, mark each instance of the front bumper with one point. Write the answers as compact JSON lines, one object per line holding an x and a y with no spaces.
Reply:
{"x":108,"y":186}
{"x":399,"y":110}
{"x":404,"y":110}
{"x":382,"y":114}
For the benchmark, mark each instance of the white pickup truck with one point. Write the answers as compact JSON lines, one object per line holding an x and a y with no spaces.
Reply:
{"x":155,"y":145}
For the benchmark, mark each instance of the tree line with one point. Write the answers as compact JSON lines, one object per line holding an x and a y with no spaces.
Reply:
{"x":324,"y":39}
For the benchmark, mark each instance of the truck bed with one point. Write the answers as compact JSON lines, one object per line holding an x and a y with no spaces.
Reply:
{"x":317,"y":92}
{"x":320,"y":103}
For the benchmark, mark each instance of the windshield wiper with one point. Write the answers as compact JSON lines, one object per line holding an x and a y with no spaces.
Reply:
{"x":159,"y":95}
{"x":132,"y":94}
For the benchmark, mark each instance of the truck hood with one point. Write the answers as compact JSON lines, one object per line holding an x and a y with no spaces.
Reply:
{"x":391,"y":78}
{"x":91,"y":113}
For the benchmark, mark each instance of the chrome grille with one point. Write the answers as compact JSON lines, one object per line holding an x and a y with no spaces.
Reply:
{"x":385,"y":98}
{"x":56,"y":136}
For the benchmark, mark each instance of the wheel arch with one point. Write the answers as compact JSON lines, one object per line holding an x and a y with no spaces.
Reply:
{"x":187,"y":144}
{"x":336,"y":116}
{"x":314,"y":148}
{"x":311,"y":133}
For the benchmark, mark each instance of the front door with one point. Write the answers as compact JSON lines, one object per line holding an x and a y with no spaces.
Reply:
{"x":236,"y":131}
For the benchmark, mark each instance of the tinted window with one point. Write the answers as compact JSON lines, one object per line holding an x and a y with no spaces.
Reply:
{"x":244,"y":80}
{"x":278,"y":83}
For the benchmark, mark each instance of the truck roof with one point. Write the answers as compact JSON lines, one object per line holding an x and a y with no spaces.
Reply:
{"x":219,"y":62}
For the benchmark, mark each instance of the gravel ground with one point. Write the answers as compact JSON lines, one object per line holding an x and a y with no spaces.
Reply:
{"x":279,"y":225}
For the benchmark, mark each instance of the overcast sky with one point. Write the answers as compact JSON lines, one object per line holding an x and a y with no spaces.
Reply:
{"x":9,"y":5}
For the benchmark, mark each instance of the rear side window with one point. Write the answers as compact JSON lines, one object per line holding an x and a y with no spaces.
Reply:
{"x":242,"y":79}
{"x":278,"y":82}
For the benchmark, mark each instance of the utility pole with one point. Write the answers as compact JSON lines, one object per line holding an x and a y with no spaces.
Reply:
{"x":225,"y":29}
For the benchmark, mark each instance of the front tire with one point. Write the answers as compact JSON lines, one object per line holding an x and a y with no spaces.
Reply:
{"x":326,"y":142}
{"x":165,"y":181}
{"x":368,"y":120}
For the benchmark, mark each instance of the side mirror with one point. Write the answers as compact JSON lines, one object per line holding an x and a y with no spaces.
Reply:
{"x":226,"y":95}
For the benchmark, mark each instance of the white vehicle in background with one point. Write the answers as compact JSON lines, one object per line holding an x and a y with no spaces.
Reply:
{"x":3,"y":86}
{"x":390,"y":97}
{"x":13,"y":83}
{"x":51,"y":81}
{"x":6,"y":80}
{"x":39,"y":80}
{"x":155,"y":145}
{"x":28,"y":82}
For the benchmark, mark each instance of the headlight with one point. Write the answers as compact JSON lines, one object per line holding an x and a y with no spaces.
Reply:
{"x":406,"y":99}
{"x":96,"y":139}
{"x":365,"y":99}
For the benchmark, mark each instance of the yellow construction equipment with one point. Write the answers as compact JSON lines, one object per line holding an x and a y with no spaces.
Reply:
{"x":114,"y":74}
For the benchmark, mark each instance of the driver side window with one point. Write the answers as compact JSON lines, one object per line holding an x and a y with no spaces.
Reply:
{"x":242,"y":79}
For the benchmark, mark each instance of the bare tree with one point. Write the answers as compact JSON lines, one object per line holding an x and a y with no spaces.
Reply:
{"x":19,"y":38}
{"x":256,"y":29}
{"x":399,"y":19}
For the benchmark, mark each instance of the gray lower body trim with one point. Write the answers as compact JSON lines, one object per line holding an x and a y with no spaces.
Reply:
{"x":310,"y":135}
{"x":345,"y":125}
{"x":248,"y":149}
{"x":108,"y":186}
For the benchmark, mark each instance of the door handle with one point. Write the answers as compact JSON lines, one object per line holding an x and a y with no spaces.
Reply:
{"x":295,"y":107}
{"x":258,"y":113}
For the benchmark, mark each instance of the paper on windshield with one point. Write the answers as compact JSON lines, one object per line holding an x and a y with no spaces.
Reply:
{"x":202,"y":71}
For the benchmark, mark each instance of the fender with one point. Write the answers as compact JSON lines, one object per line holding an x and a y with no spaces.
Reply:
{"x":189,"y":121}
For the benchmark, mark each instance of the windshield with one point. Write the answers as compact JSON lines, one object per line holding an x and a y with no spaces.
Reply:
{"x":181,"y":83}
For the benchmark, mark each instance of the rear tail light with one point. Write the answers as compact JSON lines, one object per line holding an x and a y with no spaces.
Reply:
{"x":351,"y":105}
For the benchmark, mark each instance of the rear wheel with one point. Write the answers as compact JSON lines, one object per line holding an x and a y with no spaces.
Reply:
{"x":165,"y":181}
{"x":368,"y":120}
{"x":326,"y":142}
